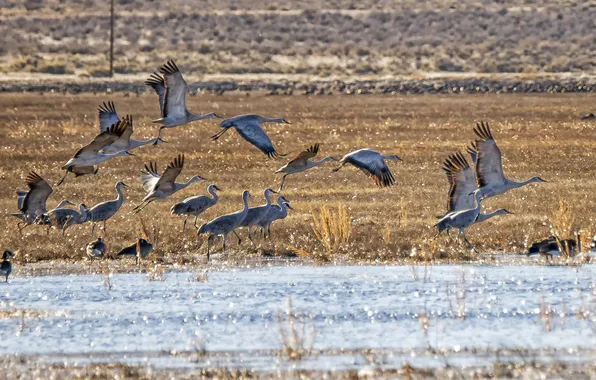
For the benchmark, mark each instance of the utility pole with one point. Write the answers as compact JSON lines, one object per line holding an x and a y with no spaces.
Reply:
{"x":111,"y":38}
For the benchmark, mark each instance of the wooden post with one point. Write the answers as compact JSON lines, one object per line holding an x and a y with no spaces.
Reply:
{"x":111,"y":38}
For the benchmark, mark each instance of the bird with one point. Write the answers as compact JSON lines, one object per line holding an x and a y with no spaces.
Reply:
{"x":195,"y":206}
{"x":249,"y":127}
{"x":301,"y":163}
{"x":462,"y":183}
{"x":372,"y":163}
{"x":90,"y":154}
{"x":276,"y":212}
{"x":6,"y":266}
{"x":256,"y":214}
{"x":489,"y":166}
{"x":33,"y":203}
{"x":224,"y":224}
{"x":64,"y":218}
{"x":171,"y":89}
{"x":103,"y":211}
{"x":552,"y":246}
{"x":588,"y":116}
{"x":464,"y":218}
{"x":159,"y":187}
{"x":96,"y":249}
{"x":107,"y":116}
{"x":141,"y":249}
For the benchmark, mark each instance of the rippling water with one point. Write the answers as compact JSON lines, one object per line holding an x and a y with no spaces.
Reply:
{"x":467,"y":307}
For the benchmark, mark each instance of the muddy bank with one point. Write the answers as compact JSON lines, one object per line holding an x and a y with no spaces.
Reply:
{"x":332,"y":87}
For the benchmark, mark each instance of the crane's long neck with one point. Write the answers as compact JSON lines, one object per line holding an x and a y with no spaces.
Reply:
{"x":268,"y":200}
{"x":214,"y":195}
{"x":82,"y":215}
{"x":483,"y":217}
{"x":245,"y":209}
{"x":284,"y":209}
{"x":515,"y":184}
{"x":180,"y":186}
{"x":272,"y":120}
{"x":62,"y":203}
{"x":314,"y":163}
{"x":194,"y":117}
{"x":120,"y":197}
{"x":137,"y":143}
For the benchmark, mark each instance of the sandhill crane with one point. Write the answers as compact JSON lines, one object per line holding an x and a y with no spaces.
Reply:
{"x":96,"y":249}
{"x":462,"y":183}
{"x":103,"y":211}
{"x":107,"y":116}
{"x":372,"y":163}
{"x":195,"y":206}
{"x":301,"y":163}
{"x":139,"y":250}
{"x":90,"y":154}
{"x":6,"y":266}
{"x":256,"y":214}
{"x":552,"y":246}
{"x":63,"y":218}
{"x":33,"y":204}
{"x":224,"y":224}
{"x":588,"y":116}
{"x":463,"y":219}
{"x":159,"y":187}
{"x":489,"y":166}
{"x":171,"y":89}
{"x":249,"y":127}
{"x":276,"y":212}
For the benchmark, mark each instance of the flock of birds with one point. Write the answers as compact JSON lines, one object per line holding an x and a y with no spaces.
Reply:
{"x":469,"y":184}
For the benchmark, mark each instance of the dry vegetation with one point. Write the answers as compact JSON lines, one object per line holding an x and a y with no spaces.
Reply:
{"x":343,"y":37}
{"x":539,"y":135}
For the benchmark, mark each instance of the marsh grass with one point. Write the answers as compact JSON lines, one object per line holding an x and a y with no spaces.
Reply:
{"x":376,"y":225}
{"x":332,"y":227}
{"x":296,"y":337}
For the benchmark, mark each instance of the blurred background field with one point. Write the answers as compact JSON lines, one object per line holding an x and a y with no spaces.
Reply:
{"x":299,"y":39}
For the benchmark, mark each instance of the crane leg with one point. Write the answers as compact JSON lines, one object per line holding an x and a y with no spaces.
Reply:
{"x":339,"y":167}
{"x":62,"y":179}
{"x":269,"y":230}
{"x":92,"y":228}
{"x":469,"y":244}
{"x":250,"y":236}
{"x":105,"y":232}
{"x":196,"y":219}
{"x":184,"y":226}
{"x":281,"y":186}
{"x":225,"y":238}
{"x":209,"y":241}
{"x":238,"y":236}
{"x":158,"y":137}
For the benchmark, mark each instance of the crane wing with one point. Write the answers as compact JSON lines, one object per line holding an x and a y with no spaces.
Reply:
{"x":374,"y":167}
{"x":489,"y":166}
{"x":39,"y":191}
{"x":149,"y":176}
{"x":156,"y":82}
{"x":254,"y":134}
{"x":173,"y":170}
{"x":174,"y":105}
{"x":462,"y":181}
{"x":102,"y":140}
{"x":123,"y":142}
{"x":305,"y":155}
{"x":107,"y":115}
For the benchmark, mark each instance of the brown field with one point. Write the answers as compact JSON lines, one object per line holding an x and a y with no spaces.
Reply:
{"x":340,"y":38}
{"x":538,"y":135}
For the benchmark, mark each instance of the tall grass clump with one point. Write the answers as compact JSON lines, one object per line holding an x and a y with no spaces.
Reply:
{"x":296,"y":341}
{"x":332,"y":227}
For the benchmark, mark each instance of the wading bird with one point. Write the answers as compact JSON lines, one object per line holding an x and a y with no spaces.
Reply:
{"x":195,"y":206}
{"x":249,"y":127}
{"x":276,"y":212}
{"x":63,"y":218}
{"x":96,"y":249}
{"x":463,"y":219}
{"x":159,"y":187}
{"x":552,"y":246}
{"x":256,"y":214}
{"x":171,"y":89}
{"x":103,"y":211}
{"x":6,"y":266}
{"x":301,"y":163}
{"x":33,"y":204}
{"x":372,"y":163}
{"x":462,"y":183}
{"x":489,"y":166}
{"x":225,"y":224}
{"x":107,"y":116}
{"x":139,"y":250}
{"x":90,"y":154}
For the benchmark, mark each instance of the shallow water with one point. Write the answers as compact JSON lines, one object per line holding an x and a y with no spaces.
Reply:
{"x":469,"y":308}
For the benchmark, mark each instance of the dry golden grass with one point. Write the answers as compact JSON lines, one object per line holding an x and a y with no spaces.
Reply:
{"x":538,"y":135}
